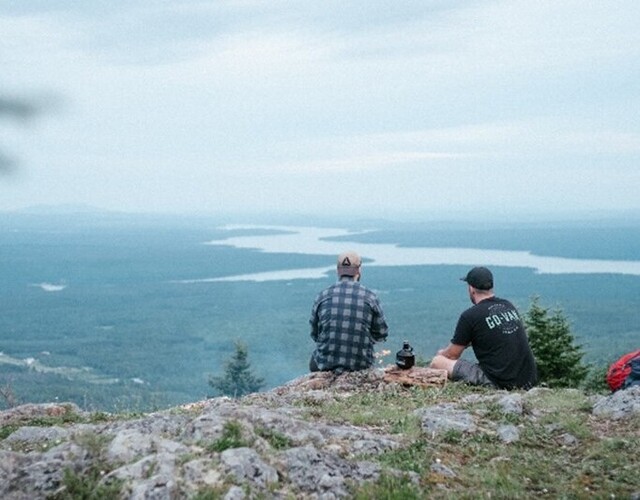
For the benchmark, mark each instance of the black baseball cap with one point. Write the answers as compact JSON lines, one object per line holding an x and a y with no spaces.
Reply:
{"x":480,"y":278}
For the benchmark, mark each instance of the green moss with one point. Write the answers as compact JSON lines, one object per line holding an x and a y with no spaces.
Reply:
{"x":7,"y":430}
{"x":275,"y":439}
{"x":231,"y":438}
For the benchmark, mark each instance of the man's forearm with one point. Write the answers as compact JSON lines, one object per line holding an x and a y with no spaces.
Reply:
{"x":452,"y":351}
{"x":378,"y":336}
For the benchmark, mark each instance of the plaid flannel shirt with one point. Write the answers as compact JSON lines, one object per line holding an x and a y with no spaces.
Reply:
{"x":346,"y":320}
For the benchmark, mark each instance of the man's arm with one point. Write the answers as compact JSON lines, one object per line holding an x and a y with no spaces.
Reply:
{"x":314,"y":331}
{"x":447,"y":358}
{"x":313,"y":322}
{"x":379,"y":328}
{"x":452,"y":351}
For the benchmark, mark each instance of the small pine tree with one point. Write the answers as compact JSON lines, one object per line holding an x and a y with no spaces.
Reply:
{"x":237,"y":379}
{"x":558,"y":357}
{"x":596,"y":379}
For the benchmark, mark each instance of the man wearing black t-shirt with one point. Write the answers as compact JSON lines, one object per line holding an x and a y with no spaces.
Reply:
{"x":493,"y":328}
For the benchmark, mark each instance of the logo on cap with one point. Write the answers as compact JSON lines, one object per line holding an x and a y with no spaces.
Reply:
{"x":346,"y":262}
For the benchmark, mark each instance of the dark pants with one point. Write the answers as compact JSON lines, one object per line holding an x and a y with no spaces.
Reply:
{"x":471,"y":373}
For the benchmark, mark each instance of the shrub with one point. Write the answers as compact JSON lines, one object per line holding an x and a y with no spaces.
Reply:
{"x":238,"y":379}
{"x":558,"y":357}
{"x":596,"y":379}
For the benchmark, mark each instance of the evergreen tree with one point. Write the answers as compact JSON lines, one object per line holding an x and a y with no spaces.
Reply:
{"x":596,"y":379}
{"x":237,"y":380}
{"x":558,"y":357}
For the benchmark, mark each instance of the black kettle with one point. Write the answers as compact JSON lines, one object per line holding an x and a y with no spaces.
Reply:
{"x":405,"y":358}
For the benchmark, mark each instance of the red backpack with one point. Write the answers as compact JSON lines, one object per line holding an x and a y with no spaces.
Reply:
{"x":620,"y":370}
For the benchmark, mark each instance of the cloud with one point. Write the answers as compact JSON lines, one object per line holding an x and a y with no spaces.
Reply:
{"x":479,"y":143}
{"x":192,"y":103}
{"x":389,"y":160}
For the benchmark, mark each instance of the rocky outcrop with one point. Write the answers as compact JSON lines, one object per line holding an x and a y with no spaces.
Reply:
{"x":620,"y":405}
{"x":262,"y":446}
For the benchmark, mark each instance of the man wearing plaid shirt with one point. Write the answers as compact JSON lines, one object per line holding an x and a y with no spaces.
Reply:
{"x":346,"y":320}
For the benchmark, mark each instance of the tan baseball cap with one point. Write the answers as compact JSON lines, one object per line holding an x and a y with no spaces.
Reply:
{"x":349,"y":263}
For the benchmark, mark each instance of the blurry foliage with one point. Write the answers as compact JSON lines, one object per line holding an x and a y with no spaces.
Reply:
{"x":15,"y":109}
{"x":7,"y":393}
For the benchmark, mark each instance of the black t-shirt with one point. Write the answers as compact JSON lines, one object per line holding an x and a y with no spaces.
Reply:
{"x":496,"y":333}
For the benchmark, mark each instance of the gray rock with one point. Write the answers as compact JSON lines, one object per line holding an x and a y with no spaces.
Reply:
{"x":235,"y":493}
{"x":158,"y":487}
{"x":207,"y":427}
{"x":619,"y":405}
{"x":476,"y":398}
{"x":166,"y":455}
{"x":30,"y":437}
{"x":201,"y":473}
{"x":372,"y":446}
{"x":151,"y":465}
{"x":508,"y":433}
{"x":511,"y":404}
{"x":323,"y":474}
{"x":568,"y":439}
{"x":145,"y":453}
{"x":280,"y":421}
{"x":132,"y":444}
{"x":167,"y":424}
{"x":26,"y":413}
{"x":246,"y":466}
{"x":442,"y":470}
{"x":553,"y":427}
{"x":41,"y":475}
{"x":538,"y":392}
{"x":11,"y":464}
{"x":150,"y":477}
{"x":445,"y":417}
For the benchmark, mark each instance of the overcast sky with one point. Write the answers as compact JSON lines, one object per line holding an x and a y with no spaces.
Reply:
{"x":381,"y":109}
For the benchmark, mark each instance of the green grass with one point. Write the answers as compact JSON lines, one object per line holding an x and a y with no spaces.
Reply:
{"x":231,"y":438}
{"x":7,"y":430}
{"x":277,"y":440}
{"x":388,"y":487}
{"x":603,"y":463}
{"x":87,"y":484}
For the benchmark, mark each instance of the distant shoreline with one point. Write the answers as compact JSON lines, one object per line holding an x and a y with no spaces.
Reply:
{"x":313,"y":241}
